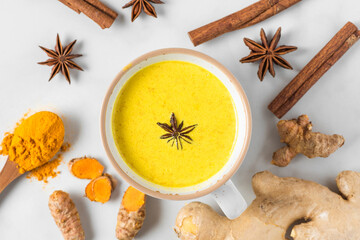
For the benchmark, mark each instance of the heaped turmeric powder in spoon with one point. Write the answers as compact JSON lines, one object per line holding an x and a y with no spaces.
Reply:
{"x":34,"y":142}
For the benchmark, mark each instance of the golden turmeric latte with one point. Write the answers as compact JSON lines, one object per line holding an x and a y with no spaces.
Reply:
{"x":35,"y":141}
{"x":195,"y":96}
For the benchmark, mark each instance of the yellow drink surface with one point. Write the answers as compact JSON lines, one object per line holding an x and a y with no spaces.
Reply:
{"x":196,"y":96}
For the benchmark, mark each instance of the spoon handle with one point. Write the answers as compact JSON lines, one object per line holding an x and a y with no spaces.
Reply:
{"x":8,"y":174}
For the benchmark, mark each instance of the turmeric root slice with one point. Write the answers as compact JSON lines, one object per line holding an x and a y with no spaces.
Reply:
{"x":131,"y":214}
{"x":99,"y":189}
{"x":299,"y":138}
{"x":89,"y":193}
{"x":86,"y":168}
{"x":66,"y":216}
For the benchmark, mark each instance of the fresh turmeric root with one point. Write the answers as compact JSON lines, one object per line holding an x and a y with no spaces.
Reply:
{"x":85,"y":168}
{"x":131,"y":215}
{"x":66,"y":216}
{"x":298,"y":136}
{"x":100,"y":189}
{"x":279,"y":203}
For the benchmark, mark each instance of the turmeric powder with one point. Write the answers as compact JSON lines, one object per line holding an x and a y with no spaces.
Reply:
{"x":35,"y":141}
{"x":5,"y":145}
{"x":65,"y":147}
{"x":49,"y":169}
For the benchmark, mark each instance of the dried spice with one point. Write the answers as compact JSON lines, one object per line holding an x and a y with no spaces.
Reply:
{"x":268,"y":53}
{"x":251,"y":15}
{"x":61,"y":59}
{"x":139,"y":5}
{"x":35,"y":141}
{"x":176,"y":133}
{"x":94,"y":9}
{"x":49,"y":169}
{"x":315,"y":69}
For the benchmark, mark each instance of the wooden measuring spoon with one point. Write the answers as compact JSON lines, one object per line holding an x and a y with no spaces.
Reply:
{"x":9,"y":173}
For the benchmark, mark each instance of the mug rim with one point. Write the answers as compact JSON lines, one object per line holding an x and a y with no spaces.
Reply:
{"x":234,"y":83}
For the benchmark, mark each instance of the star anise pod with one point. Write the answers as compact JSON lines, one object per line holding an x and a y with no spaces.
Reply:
{"x":176,"y":133}
{"x":267,"y":53}
{"x":61,"y":59}
{"x":139,"y":5}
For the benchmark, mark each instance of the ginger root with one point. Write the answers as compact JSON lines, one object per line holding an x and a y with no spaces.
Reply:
{"x":85,"y":168}
{"x":298,"y":136}
{"x":131,"y":215}
{"x":66,"y":216}
{"x":100,"y":189}
{"x":279,"y":203}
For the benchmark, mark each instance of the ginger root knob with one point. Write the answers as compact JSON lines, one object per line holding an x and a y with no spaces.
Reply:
{"x":299,"y":138}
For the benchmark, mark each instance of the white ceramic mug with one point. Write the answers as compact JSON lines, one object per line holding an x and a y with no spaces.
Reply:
{"x":219,"y":185}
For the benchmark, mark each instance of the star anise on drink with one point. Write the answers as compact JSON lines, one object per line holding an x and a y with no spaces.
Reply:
{"x":176,"y":133}
{"x":139,"y":5}
{"x":61,"y":59}
{"x":268,"y":53}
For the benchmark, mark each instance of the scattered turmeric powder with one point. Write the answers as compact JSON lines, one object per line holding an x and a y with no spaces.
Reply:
{"x":65,"y":147}
{"x":85,"y":168}
{"x":131,"y":215}
{"x":100,"y":189}
{"x":66,"y":216}
{"x":49,"y":169}
{"x":35,"y":141}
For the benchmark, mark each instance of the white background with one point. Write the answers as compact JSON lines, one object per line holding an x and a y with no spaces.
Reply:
{"x":332,"y":104}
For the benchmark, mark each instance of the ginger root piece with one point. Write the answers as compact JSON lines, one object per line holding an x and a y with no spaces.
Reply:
{"x":85,"y":168}
{"x":279,"y":203}
{"x":298,"y":136}
{"x":100,"y":189}
{"x":66,"y":216}
{"x":131,"y":215}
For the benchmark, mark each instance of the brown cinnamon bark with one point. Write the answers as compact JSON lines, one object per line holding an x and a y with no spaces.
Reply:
{"x":246,"y":17}
{"x":277,"y":8}
{"x":315,"y":69}
{"x":94,"y":9}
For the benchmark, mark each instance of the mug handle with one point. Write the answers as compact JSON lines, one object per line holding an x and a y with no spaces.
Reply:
{"x":230,"y":200}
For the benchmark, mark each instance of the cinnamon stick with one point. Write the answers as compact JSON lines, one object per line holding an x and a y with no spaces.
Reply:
{"x":277,"y":8}
{"x":315,"y":69}
{"x":94,"y":9}
{"x":246,"y":17}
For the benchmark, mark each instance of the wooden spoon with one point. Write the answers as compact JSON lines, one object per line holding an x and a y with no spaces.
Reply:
{"x":9,"y":173}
